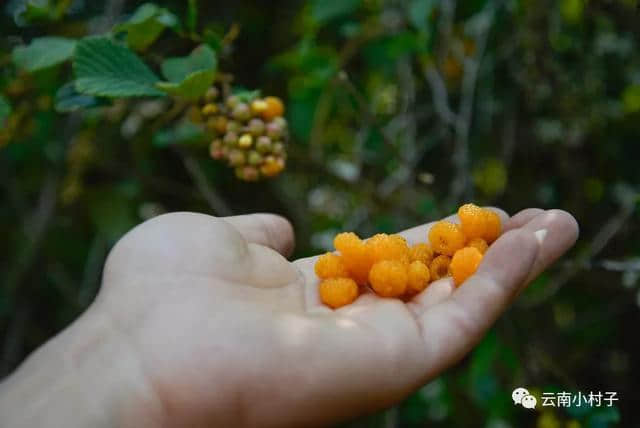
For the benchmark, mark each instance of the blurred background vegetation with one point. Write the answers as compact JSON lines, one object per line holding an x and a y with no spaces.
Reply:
{"x":399,"y":111}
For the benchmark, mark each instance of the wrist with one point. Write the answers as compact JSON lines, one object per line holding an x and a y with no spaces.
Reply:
{"x":87,"y":376}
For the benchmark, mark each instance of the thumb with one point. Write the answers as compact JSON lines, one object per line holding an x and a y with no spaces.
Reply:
{"x":270,"y":230}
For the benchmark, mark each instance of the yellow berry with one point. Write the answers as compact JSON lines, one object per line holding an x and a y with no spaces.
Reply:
{"x":493,"y":226}
{"x":337,"y":292}
{"x":472,"y":220}
{"x":421,"y":252}
{"x":439,"y":267}
{"x":272,"y":167}
{"x":464,"y":264}
{"x":209,"y":109}
{"x":275,"y":108}
{"x":418,"y":277}
{"x":388,"y":247}
{"x":480,"y":244}
{"x":330,"y":265}
{"x":388,"y":278}
{"x":245,"y":141}
{"x":446,"y":237}
{"x":258,"y":106}
{"x":355,"y":256}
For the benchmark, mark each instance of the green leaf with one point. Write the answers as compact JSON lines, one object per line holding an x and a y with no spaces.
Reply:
{"x":107,"y":69}
{"x":68,"y":99}
{"x":201,"y":58}
{"x":189,"y":76}
{"x":43,"y":52}
{"x":145,"y":25}
{"x":183,"y":133}
{"x":326,"y":10}
{"x":193,"y":86}
{"x":419,"y":11}
{"x":5,"y":108}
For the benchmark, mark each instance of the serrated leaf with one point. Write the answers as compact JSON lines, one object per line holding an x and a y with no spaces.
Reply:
{"x":107,"y":69}
{"x":183,"y":133}
{"x":43,"y":52}
{"x":68,"y":99}
{"x":145,"y":25}
{"x":201,"y":58}
{"x":5,"y":108}
{"x":193,"y":86}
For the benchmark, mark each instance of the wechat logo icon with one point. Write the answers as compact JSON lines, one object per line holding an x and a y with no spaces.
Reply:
{"x":521,"y":396}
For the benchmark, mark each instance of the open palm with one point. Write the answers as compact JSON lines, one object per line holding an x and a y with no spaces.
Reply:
{"x":227,"y":332}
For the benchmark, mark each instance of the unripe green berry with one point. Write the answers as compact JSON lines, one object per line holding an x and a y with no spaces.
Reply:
{"x":274,"y":130}
{"x":230,"y":138}
{"x":263,"y":144}
{"x":211,"y":94}
{"x":241,"y":112}
{"x":255,"y":127}
{"x":278,"y":148}
{"x":236,"y":158}
{"x":232,"y":101}
{"x":209,"y":109}
{"x":233,"y":126}
{"x":254,"y":158}
{"x":248,"y":173}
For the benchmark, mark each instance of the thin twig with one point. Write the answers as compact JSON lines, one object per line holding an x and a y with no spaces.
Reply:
{"x":215,"y":201}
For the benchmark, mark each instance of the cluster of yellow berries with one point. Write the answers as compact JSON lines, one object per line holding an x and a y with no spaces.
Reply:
{"x":392,"y":268}
{"x":249,"y":134}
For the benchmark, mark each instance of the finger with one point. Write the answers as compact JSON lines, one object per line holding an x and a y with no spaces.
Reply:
{"x":521,"y":218}
{"x":419,"y":233}
{"x":270,"y":230}
{"x":557,"y":231}
{"x":451,"y":328}
{"x":438,"y":291}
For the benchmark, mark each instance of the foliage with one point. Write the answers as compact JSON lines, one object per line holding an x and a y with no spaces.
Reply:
{"x":399,"y":110}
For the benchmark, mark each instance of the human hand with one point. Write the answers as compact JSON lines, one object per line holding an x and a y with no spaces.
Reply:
{"x":221,"y":330}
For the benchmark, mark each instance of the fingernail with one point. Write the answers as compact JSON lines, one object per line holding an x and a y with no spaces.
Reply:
{"x":540,"y":234}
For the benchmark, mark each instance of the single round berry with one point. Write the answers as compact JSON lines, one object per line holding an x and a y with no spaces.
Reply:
{"x":446,"y":237}
{"x":472,"y":220}
{"x":464,"y":263}
{"x":421,"y":252}
{"x":255,"y":127}
{"x":230,"y":138}
{"x":247,"y":173}
{"x":388,"y":278}
{"x":273,"y":130}
{"x":209,"y":109}
{"x":232,"y":101}
{"x":272,"y":166}
{"x":258,"y":106}
{"x":278,"y":148}
{"x":236,"y":157}
{"x":216,"y":149}
{"x":245,"y":141}
{"x":439,"y":267}
{"x":387,"y":247}
{"x":330,"y":265}
{"x":337,"y":292}
{"x":493,"y":226}
{"x":234,"y":126}
{"x":418,"y":276}
{"x":355,"y":256}
{"x":263,"y":144}
{"x":241,"y":112}
{"x":217,"y":124}
{"x":480,"y":244}
{"x":211,"y":94}
{"x":254,"y":158}
{"x":275,"y":108}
